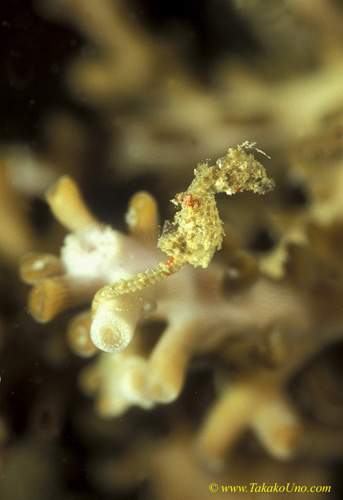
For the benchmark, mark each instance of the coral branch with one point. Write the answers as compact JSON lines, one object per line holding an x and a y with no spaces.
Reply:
{"x":68,"y":206}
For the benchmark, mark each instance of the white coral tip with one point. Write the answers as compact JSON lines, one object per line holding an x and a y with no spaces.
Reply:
{"x":113,"y":326}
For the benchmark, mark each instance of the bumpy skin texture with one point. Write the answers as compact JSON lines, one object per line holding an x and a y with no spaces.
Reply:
{"x":196,"y":232}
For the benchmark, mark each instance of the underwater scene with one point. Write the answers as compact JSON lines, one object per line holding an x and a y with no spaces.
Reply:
{"x":171,"y":249}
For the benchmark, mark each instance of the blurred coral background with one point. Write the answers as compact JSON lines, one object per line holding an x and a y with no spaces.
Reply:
{"x":129,"y":95}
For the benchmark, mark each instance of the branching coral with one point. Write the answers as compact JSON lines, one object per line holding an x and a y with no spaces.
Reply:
{"x":245,"y":343}
{"x":161,"y":117}
{"x":96,"y":254}
{"x":162,"y":460}
{"x":206,"y":311}
{"x":193,"y":237}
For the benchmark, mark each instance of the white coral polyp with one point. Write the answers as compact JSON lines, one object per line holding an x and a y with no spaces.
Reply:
{"x":103,"y":254}
{"x":113,"y":326}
